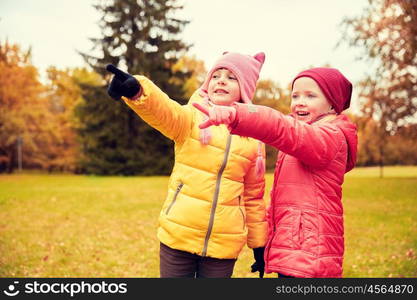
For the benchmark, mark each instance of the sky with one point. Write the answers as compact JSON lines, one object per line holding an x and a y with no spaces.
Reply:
{"x":294,"y":34}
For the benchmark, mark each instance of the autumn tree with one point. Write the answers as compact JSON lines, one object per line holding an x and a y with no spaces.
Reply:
{"x":141,"y":37}
{"x":64,"y":93}
{"x":400,"y":148}
{"x":197,"y":71}
{"x":24,"y":114}
{"x":368,"y":151}
{"x":387,"y":32}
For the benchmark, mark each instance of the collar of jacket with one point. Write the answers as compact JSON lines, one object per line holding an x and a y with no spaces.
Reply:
{"x":320,"y":119}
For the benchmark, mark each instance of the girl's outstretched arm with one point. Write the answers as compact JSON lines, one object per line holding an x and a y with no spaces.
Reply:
{"x":314,"y":144}
{"x":159,"y":111}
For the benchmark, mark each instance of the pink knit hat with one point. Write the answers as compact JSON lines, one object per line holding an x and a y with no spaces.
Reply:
{"x":335,"y":86}
{"x":245,"y":67}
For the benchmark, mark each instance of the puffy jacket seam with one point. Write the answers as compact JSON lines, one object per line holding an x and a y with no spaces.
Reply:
{"x":192,"y":197}
{"x":284,"y":225}
{"x":228,"y":205}
{"x":217,"y":147}
{"x":299,"y":139}
{"x":312,"y":275}
{"x":180,"y":141}
{"x":241,"y":156}
{"x":311,"y":230}
{"x":292,"y":270}
{"x":329,"y":256}
{"x":283,"y":204}
{"x":229,"y":233}
{"x":295,"y":183}
{"x":338,"y":150}
{"x":330,"y":213}
{"x":209,"y":172}
{"x":336,"y":161}
{"x":181,"y":138}
{"x":208,"y":145}
{"x":194,"y":167}
{"x":324,"y":161}
{"x":298,"y":249}
{"x":330,"y":234}
{"x":186,"y":226}
{"x":256,"y":222}
{"x":291,"y":248}
{"x":201,"y":230}
{"x":333,"y":194}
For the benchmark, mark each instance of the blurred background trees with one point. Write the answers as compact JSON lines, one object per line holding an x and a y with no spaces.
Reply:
{"x":68,"y":123}
{"x":25,"y":118}
{"x":141,"y":37}
{"x":387,"y":34}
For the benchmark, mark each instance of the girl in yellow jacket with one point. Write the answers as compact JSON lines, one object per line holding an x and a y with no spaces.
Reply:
{"x":214,"y":204}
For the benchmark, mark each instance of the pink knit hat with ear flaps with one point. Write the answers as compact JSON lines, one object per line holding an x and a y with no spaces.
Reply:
{"x":246,"y":68}
{"x":335,"y":86}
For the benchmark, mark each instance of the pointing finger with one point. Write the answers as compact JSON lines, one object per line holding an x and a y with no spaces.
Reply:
{"x":119,"y":73}
{"x":201,"y":108}
{"x":206,"y":124}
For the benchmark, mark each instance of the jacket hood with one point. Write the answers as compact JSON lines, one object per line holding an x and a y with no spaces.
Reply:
{"x":349,"y":129}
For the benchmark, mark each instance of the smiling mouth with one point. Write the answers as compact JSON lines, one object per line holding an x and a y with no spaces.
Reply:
{"x":220,"y":91}
{"x":302,"y":113}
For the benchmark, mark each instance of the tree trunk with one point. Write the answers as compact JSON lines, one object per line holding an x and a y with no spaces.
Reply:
{"x":381,"y":158}
{"x":10,"y":163}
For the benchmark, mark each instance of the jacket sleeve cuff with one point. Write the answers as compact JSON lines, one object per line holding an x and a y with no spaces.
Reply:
{"x":137,"y":96}
{"x":242,"y":111}
{"x":145,"y":89}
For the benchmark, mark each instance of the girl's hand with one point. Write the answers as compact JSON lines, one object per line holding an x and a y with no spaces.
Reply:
{"x":122,"y":84}
{"x":217,"y":114}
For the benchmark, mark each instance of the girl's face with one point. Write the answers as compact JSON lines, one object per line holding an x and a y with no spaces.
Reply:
{"x":308,"y":101}
{"x":223,"y":87}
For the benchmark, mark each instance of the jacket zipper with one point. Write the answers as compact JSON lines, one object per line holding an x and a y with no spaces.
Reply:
{"x":179,"y":187}
{"x":216,"y":195}
{"x":241,"y":211}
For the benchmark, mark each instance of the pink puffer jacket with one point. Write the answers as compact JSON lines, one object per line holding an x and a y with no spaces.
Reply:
{"x":306,"y":214}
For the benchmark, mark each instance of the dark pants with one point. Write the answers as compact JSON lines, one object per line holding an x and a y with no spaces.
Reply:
{"x":176,"y":263}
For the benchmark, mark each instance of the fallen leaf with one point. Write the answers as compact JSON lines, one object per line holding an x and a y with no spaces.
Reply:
{"x":410,"y":253}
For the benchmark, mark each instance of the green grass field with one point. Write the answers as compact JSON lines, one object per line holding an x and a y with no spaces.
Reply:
{"x":87,"y":226}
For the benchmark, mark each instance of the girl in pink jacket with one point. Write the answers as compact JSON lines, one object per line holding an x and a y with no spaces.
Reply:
{"x":318,"y":145}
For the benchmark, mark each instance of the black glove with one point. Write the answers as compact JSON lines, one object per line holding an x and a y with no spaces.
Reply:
{"x":259,"y":265}
{"x":122,"y":84}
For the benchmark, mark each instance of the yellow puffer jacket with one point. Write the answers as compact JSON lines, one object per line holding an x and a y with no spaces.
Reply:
{"x":215,"y":200}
